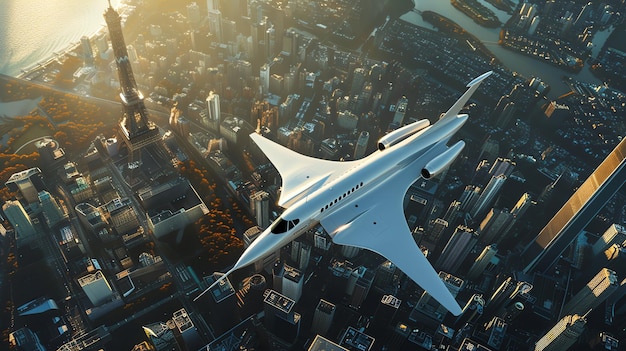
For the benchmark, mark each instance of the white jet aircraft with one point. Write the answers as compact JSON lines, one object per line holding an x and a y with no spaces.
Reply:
{"x":359,"y":203}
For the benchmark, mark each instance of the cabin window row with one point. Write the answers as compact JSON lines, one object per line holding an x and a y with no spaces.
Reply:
{"x":350,"y":191}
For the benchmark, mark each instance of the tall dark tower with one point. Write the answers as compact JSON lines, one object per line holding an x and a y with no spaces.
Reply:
{"x":136,"y":130}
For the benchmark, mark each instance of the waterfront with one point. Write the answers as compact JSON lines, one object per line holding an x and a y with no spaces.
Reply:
{"x":24,"y":45}
{"x":524,"y":65}
{"x":33,"y":31}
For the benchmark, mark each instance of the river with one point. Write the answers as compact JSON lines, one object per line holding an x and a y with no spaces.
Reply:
{"x":524,"y":65}
{"x":34,"y":30}
{"x":31,"y":31}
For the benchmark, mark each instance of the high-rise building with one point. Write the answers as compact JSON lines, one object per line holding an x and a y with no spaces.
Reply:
{"x":453,"y":213}
{"x":488,"y":196}
{"x":51,"y":209}
{"x":361,"y":145}
{"x":28,"y":182}
{"x":358,"y":79}
{"x":456,"y":250}
{"x":505,"y":117}
{"x":593,"y":294}
{"x":483,"y":260}
{"x":215,"y":24}
{"x":264,"y":76}
{"x":20,"y":220}
{"x":502,"y":166}
{"x":193,"y":14}
{"x":354,"y":340}
{"x":300,"y":254}
{"x":522,"y":205}
{"x":541,"y":253}
{"x":213,"y":108}
{"x":320,"y":343}
{"x":495,"y":331}
{"x":469,"y":197}
{"x":323,"y":317}
{"x":495,"y":225}
{"x":563,"y":335}
{"x":472,"y":311}
{"x":616,"y":234}
{"x":292,"y":282}
{"x":613,"y":258}
{"x":96,"y":287}
{"x":500,"y":296}
{"x":437,"y":230}
{"x":384,"y":315}
{"x":401,"y":106}
{"x":363,"y":279}
{"x":280,"y":319}
{"x":87,"y":51}
{"x":135,"y":128}
{"x":187,"y":330}
{"x":212,"y":5}
{"x":385,"y":276}
{"x":261,"y":203}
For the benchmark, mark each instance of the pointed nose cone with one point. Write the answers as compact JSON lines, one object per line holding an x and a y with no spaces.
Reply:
{"x":262,"y":247}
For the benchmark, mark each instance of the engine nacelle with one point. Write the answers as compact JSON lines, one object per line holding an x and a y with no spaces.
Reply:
{"x":439,"y":163}
{"x":402,"y":133}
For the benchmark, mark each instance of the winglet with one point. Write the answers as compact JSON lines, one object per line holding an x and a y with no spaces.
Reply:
{"x":214,"y":284}
{"x":473,"y":85}
{"x":479,"y":79}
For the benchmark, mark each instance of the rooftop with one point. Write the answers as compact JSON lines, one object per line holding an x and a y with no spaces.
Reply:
{"x":320,"y":343}
{"x":356,"y":339}
{"x":279,"y":301}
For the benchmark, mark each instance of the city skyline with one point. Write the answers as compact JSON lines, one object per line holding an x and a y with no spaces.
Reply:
{"x":126,"y":207}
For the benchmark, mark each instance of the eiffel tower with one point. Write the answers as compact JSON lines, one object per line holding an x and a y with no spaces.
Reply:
{"x":135,"y":128}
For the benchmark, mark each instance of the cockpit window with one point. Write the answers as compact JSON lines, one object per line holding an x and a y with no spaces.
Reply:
{"x":280,"y":226}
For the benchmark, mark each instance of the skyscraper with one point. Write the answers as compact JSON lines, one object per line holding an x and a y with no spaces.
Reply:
{"x":437,"y":230}
{"x":213,"y":108}
{"x":398,"y":117}
{"x":280,"y":319}
{"x":136,"y":130}
{"x":323,"y":317}
{"x":292,"y":282}
{"x":472,"y":311}
{"x":502,"y":166}
{"x":616,"y":234}
{"x":541,"y":253}
{"x":264,"y":75}
{"x":28,"y":182}
{"x":261,"y":203}
{"x":20,"y":221}
{"x":87,"y":51}
{"x":593,"y":294}
{"x":488,"y":196}
{"x":458,"y":247}
{"x":469,"y":197}
{"x":495,"y":225}
{"x":96,"y":287}
{"x":482,"y":262}
{"x":384,"y":315}
{"x":563,"y":335}
{"x":51,"y":209}
{"x":361,"y":145}
{"x":215,"y":24}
